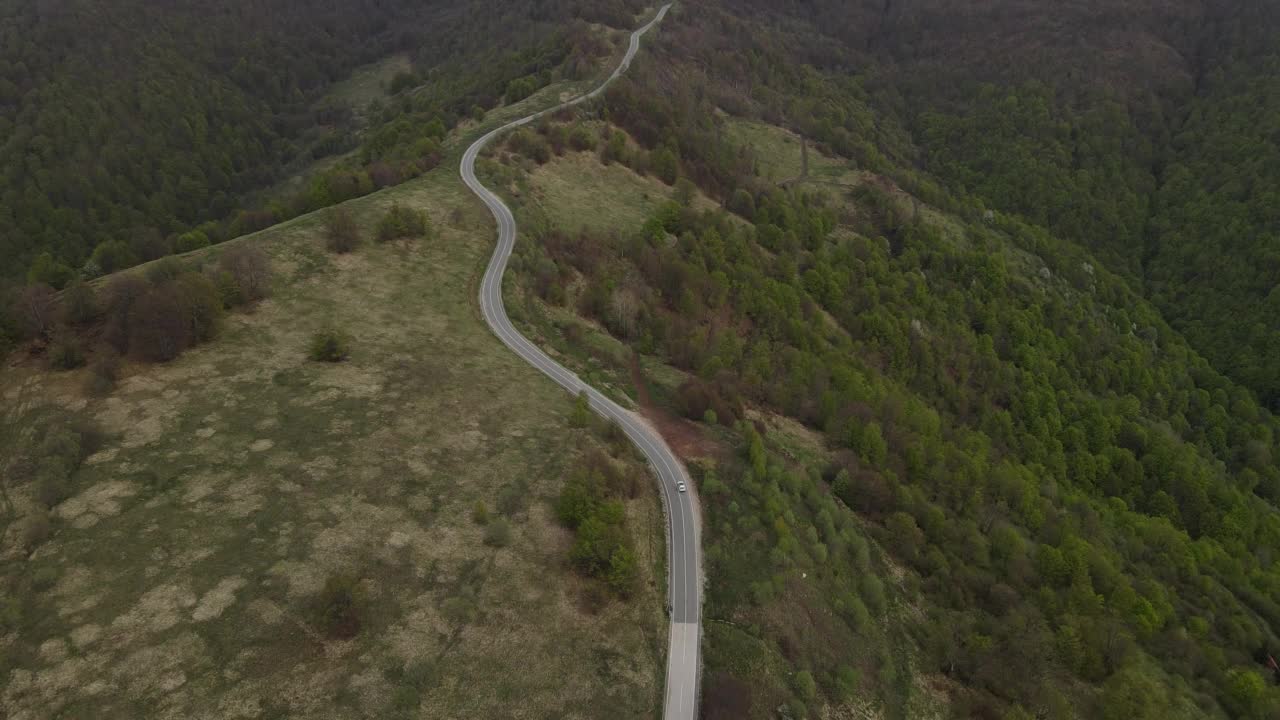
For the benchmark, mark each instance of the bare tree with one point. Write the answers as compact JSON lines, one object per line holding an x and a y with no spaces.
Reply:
{"x":624,"y":311}
{"x":157,"y":330}
{"x":121,"y":294}
{"x":36,"y":309}
{"x":250,"y":268}
{"x":342,"y":235}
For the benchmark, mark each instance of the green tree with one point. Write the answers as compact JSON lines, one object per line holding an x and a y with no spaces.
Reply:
{"x":190,"y":241}
{"x":112,"y":256}
{"x":1244,"y":692}
{"x":403,"y":222}
{"x":497,"y":533}
{"x":665,"y":165}
{"x":1132,"y":694}
{"x":45,"y":270}
{"x":805,"y":686}
{"x":79,"y":303}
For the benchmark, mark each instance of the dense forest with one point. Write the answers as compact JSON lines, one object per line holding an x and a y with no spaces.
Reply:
{"x":144,"y":115}
{"x":1084,"y":504}
{"x":1143,"y":131}
{"x":143,"y":129}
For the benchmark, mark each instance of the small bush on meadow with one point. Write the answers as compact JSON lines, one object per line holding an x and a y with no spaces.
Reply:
{"x":79,"y":303}
{"x":341,"y":607}
{"x":403,"y":222}
{"x":341,"y":234}
{"x":497,"y":533}
{"x":329,"y":345}
{"x":104,"y":371}
{"x":65,"y":351}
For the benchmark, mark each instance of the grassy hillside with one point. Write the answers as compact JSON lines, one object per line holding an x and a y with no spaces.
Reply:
{"x":185,"y":573}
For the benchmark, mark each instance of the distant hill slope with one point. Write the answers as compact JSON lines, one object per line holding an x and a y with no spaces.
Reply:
{"x":1142,"y":130}
{"x":133,"y":121}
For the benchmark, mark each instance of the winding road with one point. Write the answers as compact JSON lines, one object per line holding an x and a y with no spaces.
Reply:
{"x":684,"y":547}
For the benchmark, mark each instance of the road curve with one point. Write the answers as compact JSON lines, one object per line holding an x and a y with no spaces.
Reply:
{"x":684,"y":545}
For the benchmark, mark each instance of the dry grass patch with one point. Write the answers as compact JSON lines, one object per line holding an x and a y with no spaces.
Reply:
{"x":577,"y":191}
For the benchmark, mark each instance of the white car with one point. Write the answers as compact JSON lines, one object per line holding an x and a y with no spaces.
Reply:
{"x":680,"y":486}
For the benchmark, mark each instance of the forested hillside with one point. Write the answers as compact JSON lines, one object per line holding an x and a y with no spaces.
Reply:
{"x":1142,"y":131}
{"x":1080,"y":507}
{"x":143,"y":115}
{"x":1213,"y":261}
{"x":133,"y":130}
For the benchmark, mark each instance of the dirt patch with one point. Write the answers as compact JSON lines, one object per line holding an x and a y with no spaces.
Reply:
{"x":685,"y":438}
{"x":221,"y":597}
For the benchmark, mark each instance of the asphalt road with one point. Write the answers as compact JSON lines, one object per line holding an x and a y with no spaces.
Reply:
{"x":684,"y":548}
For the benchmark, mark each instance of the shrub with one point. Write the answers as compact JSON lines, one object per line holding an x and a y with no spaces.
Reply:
{"x":155,"y":330}
{"x":531,"y":145}
{"x":521,"y":88}
{"x":403,"y":222}
{"x":805,"y":685}
{"x":329,"y":345}
{"x":191,"y":241}
{"x":872,"y":592}
{"x":858,"y":615}
{"x":164,"y":270}
{"x":229,"y":291}
{"x":121,"y":294}
{"x":581,"y":415}
{"x":65,"y":352}
{"x":341,"y":233}
{"x":480,"y":513}
{"x":696,"y":397}
{"x":497,"y":533}
{"x":113,"y":255}
{"x":53,"y":483}
{"x":47,"y":271}
{"x":403,"y":80}
{"x":199,"y":305}
{"x":103,"y":372}
{"x":615,"y":149}
{"x":79,"y":303}
{"x":665,"y":165}
{"x":249,"y":266}
{"x":846,"y":683}
{"x":149,"y":244}
{"x":742,"y":203}
{"x":35,"y":529}
{"x":44,"y":578}
{"x":10,"y":613}
{"x":341,"y":606}
{"x":581,"y":139}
